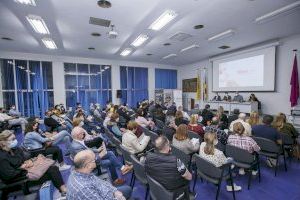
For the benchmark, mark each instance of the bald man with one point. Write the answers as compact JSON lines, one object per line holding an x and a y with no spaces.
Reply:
{"x":247,"y":126}
{"x":84,"y":185}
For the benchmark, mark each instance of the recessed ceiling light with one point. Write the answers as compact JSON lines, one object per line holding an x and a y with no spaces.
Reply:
{"x":49,"y":43}
{"x":224,"y":47}
{"x":194,"y":46}
{"x":149,"y":54}
{"x":126,"y":52}
{"x":26,"y":2}
{"x":199,"y":26}
{"x":170,"y":56}
{"x":167,"y":44}
{"x":6,"y":38}
{"x":106,"y":67}
{"x":96,"y":34}
{"x":91,"y":48}
{"x":38,"y":24}
{"x":222,"y":35}
{"x":140,"y":40}
{"x":104,"y":4}
{"x":163,"y":20}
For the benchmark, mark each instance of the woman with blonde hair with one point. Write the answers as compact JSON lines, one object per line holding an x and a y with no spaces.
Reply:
{"x":283,"y":126}
{"x":194,"y":126}
{"x":253,"y":119}
{"x":213,"y":155}
{"x":183,"y":142}
{"x":179,"y":118}
{"x":223,"y":119}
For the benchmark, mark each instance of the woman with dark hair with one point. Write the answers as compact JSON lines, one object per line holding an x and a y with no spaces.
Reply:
{"x":142,"y":121}
{"x":113,"y":126}
{"x":15,"y":165}
{"x":33,"y":140}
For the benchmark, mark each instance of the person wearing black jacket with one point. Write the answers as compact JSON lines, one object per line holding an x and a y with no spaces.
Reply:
{"x":14,"y":162}
{"x":206,"y":114}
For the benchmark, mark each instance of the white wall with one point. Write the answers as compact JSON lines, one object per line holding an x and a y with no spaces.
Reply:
{"x":272,"y":102}
{"x":58,"y":71}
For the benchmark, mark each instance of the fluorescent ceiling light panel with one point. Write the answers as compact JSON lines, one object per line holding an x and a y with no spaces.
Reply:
{"x":194,"y":46}
{"x":107,"y":67}
{"x":163,"y":20}
{"x":170,"y":56}
{"x":126,"y":52}
{"x":222,"y":35}
{"x":275,"y":13}
{"x":26,"y":2}
{"x":49,"y":43}
{"x":38,"y":24}
{"x":140,"y":40}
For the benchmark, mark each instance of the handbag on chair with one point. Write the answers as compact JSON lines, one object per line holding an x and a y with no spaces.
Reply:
{"x":40,"y":165}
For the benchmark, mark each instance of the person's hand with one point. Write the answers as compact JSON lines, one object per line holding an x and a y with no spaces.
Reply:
{"x":122,"y":129}
{"x":119,"y":196}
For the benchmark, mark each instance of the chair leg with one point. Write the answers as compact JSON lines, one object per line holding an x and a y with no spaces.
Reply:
{"x":218,"y":191}
{"x":232,"y":185}
{"x":259,"y":176}
{"x":284,"y":160}
{"x":195,"y":181}
{"x":276,"y":166}
{"x":249,"y":179}
{"x":147,"y":192}
{"x":132,"y":177}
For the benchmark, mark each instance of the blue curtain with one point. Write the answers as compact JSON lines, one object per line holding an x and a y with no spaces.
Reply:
{"x":165,"y":79}
{"x":7,"y":78}
{"x":36,"y":104}
{"x":21,"y":80}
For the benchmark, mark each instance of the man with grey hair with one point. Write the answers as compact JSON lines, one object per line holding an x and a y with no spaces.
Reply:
{"x":84,"y":185}
{"x":247,"y":126}
{"x":165,"y":168}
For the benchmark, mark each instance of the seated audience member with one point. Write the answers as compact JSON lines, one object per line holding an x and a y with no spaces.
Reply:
{"x":122,"y":111}
{"x":266,"y":130}
{"x":158,"y":113}
{"x":214,"y":123}
{"x":194,"y":126}
{"x":284,"y":127}
{"x":217,"y":97}
{"x":34,"y":141}
{"x":13,"y":112}
{"x":172,"y":108}
{"x":253,"y":119}
{"x":185,"y":115}
{"x":97,"y":111}
{"x":242,"y":119}
{"x":53,"y":124}
{"x":170,"y":128}
{"x":179,"y":118}
{"x":238,"y":139}
{"x":183,"y":142}
{"x":84,"y":185}
{"x":15,"y":165}
{"x":113,"y":126}
{"x":142,"y":121}
{"x":151,"y":107}
{"x":206,"y":114}
{"x":133,"y":143}
{"x":12,"y":120}
{"x":238,"y":98}
{"x":223,"y":120}
{"x":104,"y":157}
{"x":165,"y":168}
{"x":233,"y":116}
{"x":215,"y":156}
{"x":227,"y":97}
{"x":107,"y":119}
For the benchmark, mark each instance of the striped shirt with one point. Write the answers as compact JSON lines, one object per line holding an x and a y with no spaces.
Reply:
{"x":243,"y":142}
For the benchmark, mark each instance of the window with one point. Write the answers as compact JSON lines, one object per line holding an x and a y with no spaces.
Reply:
{"x":134,"y":84}
{"x":165,"y":79}
{"x":87,"y":83}
{"x":28,"y":85}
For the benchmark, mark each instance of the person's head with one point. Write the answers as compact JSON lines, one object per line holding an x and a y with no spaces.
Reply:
{"x":32,"y":126}
{"x":48,"y":113}
{"x":2,"y":110}
{"x":254,"y":118}
{"x":139,"y":112}
{"x":278,"y":122}
{"x":268,"y":119}
{"x":194,"y":119}
{"x":180,"y":108}
{"x":215,"y":121}
{"x":236,"y":111}
{"x":77,"y":121}
{"x":283,"y":116}
{"x":78,"y":133}
{"x":114,"y":117}
{"x":238,"y":128}
{"x":220,"y":110}
{"x":132,"y":126}
{"x":181,"y":132}
{"x":162,"y":144}
{"x":8,"y":140}
{"x":210,"y":138}
{"x":85,"y":161}
{"x":178,"y":114}
{"x":13,"y":107}
{"x":170,"y":121}
{"x":207,"y":107}
{"x":242,"y":116}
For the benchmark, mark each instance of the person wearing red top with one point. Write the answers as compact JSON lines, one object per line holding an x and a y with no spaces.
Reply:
{"x":194,"y":126}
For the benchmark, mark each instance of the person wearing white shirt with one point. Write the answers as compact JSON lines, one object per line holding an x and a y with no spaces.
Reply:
{"x":247,"y":126}
{"x":12,"y":120}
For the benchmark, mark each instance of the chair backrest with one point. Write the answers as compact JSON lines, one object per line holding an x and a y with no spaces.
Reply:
{"x":160,"y":124}
{"x":239,"y":155}
{"x":126,"y":154}
{"x":267,"y":145}
{"x":139,"y":170}
{"x":185,"y":158}
{"x":153,"y":136}
{"x":207,"y":168}
{"x":192,"y":134}
{"x":145,"y":130}
{"x":157,"y":191}
{"x":286,"y":139}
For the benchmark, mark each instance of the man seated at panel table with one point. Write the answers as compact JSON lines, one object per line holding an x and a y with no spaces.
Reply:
{"x":217,"y":97}
{"x":238,"y":98}
{"x":227,"y":97}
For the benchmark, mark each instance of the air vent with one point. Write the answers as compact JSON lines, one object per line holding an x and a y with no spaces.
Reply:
{"x":99,"y":22}
{"x":224,"y":47}
{"x":6,"y":38}
{"x":180,"y":36}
